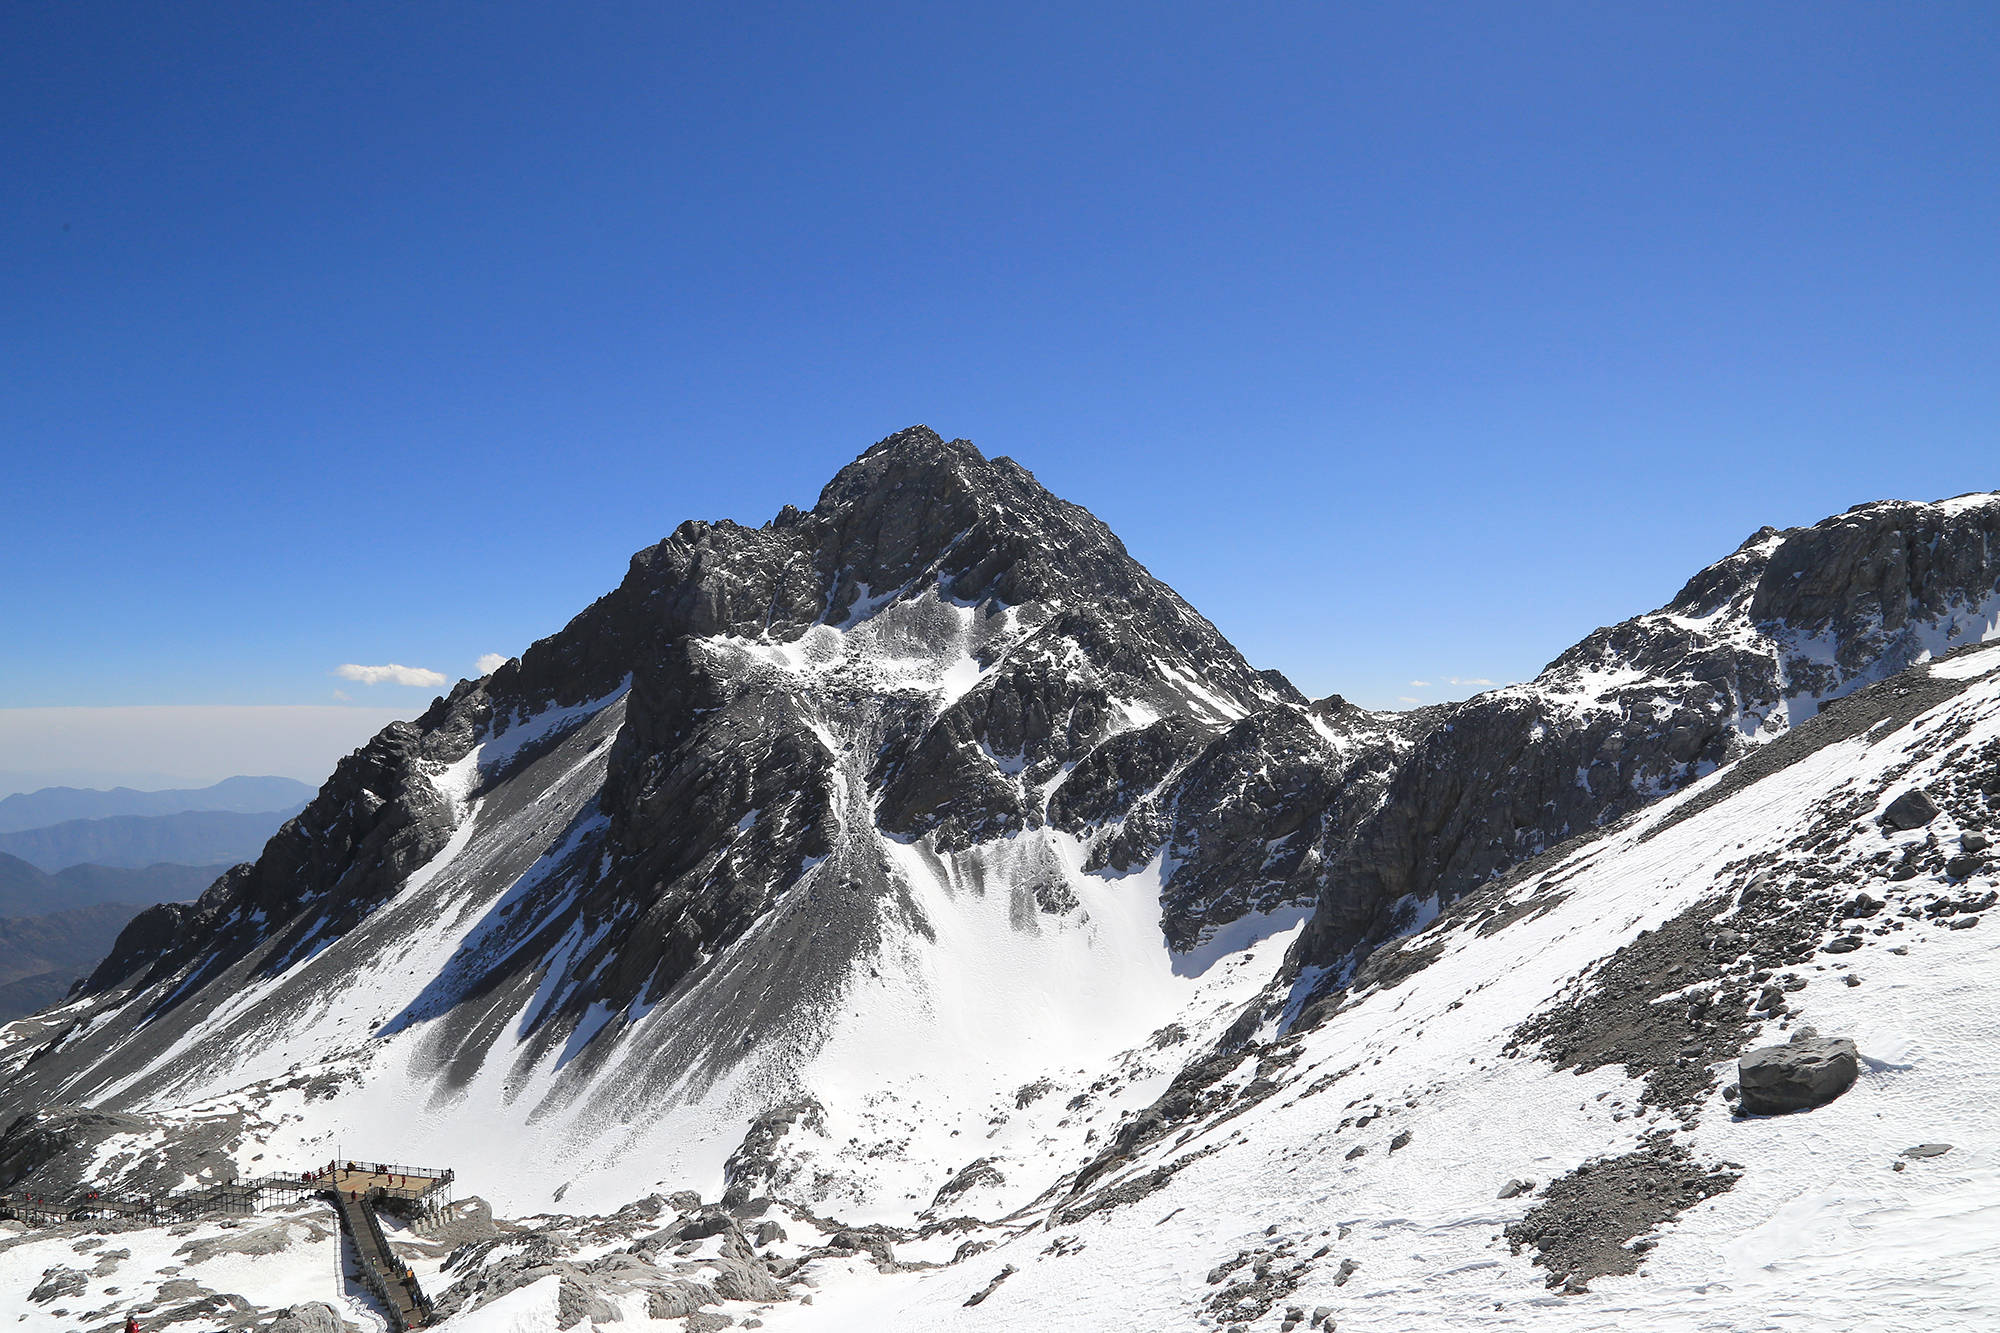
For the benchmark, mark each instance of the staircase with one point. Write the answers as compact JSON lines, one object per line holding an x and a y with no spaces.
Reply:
{"x":393,"y":1284}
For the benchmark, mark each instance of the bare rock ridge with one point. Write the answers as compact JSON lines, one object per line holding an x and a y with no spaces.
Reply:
{"x":1752,"y":645}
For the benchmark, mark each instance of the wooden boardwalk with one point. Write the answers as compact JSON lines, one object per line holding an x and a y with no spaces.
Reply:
{"x":362,"y":1189}
{"x":387,"y":1276}
{"x":236,"y":1197}
{"x":358,"y":1191}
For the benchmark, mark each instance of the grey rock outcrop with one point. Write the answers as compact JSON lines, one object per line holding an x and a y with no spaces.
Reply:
{"x":311,"y":1317}
{"x":1752,"y":645}
{"x":1797,"y":1076}
{"x":1913,"y":809}
{"x":59,"y":1282}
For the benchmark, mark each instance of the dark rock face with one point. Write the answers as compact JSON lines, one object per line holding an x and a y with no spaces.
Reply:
{"x":1261,"y":813}
{"x":32,"y":1142}
{"x":377,"y":819}
{"x":50,"y":1150}
{"x":1798,"y":1076}
{"x":1752,"y":645}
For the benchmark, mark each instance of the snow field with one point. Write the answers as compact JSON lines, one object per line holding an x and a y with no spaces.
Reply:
{"x":1821,"y":1232}
{"x":293,"y":1257}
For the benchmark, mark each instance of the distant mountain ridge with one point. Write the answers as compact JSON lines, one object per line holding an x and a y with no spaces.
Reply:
{"x":77,"y":864}
{"x":53,"y":928}
{"x":238,"y":795}
{"x":27,"y":890}
{"x":40,"y":956}
{"x":192,"y":837}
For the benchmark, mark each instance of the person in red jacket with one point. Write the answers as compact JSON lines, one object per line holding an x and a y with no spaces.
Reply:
{"x":131,"y":1323}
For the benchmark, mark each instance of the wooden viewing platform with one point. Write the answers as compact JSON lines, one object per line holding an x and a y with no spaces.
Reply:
{"x":358,"y":1190}
{"x":407,"y":1191}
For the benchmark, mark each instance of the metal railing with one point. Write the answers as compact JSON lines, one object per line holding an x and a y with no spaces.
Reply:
{"x":427,"y":1187}
{"x":392,"y":1282}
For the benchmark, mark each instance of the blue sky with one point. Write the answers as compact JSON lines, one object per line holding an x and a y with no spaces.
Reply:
{"x":1409,"y":342}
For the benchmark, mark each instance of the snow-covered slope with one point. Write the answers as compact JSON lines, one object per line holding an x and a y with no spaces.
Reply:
{"x":1577,"y":1028}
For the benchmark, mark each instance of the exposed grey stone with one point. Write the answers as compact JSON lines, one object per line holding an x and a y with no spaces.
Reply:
{"x":1797,"y":1076}
{"x":1583,"y":1227}
{"x":1913,"y":809}
{"x":1515,"y":1188}
{"x":676,"y":1300}
{"x":311,"y":1317}
{"x":980,"y":1172}
{"x":978,"y":1296}
{"x":1494,"y":780}
{"x":58,"y":1282}
{"x":703,"y":1225}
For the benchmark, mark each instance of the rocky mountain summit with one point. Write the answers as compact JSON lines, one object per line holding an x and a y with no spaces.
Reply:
{"x":663,"y":846}
{"x":920,"y":869}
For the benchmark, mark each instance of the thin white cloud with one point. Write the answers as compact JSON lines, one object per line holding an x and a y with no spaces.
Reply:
{"x":489,"y":663}
{"x":343,"y":696}
{"x":393,"y":674}
{"x":1406,"y":699}
{"x":1470,"y":680}
{"x":1420,"y":684}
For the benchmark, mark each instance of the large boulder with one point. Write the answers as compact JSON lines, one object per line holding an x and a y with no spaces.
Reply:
{"x":1913,"y":809}
{"x":312,"y":1317}
{"x":1797,"y":1076}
